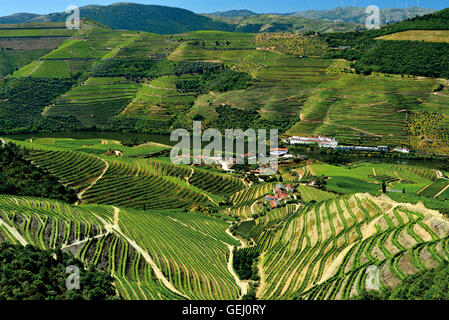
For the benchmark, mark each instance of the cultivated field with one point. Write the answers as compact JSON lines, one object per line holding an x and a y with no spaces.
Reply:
{"x":419,"y":35}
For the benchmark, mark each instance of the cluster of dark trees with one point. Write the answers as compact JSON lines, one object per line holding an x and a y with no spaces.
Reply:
{"x":431,"y":284}
{"x":191,"y":67}
{"x":28,"y":273}
{"x":221,"y":79}
{"x":132,"y":68}
{"x":406,"y":57}
{"x":244,"y":264}
{"x":230,"y":117}
{"x":19,"y":176}
{"x":137,"y":69}
{"x":22,"y":101}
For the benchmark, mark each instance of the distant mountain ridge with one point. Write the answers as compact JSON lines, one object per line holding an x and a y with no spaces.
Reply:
{"x":170,"y":20}
{"x":18,"y":18}
{"x":358,"y":14}
{"x":233,"y":13}
{"x":133,"y":16}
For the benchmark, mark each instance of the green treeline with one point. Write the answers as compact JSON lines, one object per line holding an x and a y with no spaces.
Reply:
{"x":130,"y":68}
{"x":138,"y":69}
{"x":222,"y":79}
{"x":28,"y":273}
{"x":406,"y":57}
{"x":244,"y":264}
{"x":230,"y":117}
{"x":19,"y":176}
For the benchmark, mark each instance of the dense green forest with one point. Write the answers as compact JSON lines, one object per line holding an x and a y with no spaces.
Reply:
{"x":20,"y":177}
{"x":28,"y":273}
{"x":406,"y":57}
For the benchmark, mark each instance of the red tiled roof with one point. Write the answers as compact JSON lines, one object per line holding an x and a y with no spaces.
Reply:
{"x":279,"y":149}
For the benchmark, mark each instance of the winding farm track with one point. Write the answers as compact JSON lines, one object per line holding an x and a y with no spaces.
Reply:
{"x":81,"y":193}
{"x":204,"y":193}
{"x":14,"y":233}
{"x":114,"y":227}
{"x":243,"y":285}
{"x":262,"y":283}
{"x":252,"y":207}
{"x":444,"y":189}
{"x":75,"y":243}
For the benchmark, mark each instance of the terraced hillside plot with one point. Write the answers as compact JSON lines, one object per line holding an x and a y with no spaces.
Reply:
{"x":96,"y":146}
{"x":196,"y":262}
{"x":355,"y":105}
{"x":435,"y":189}
{"x":325,"y":250}
{"x":159,"y":100}
{"x":13,"y":33}
{"x":312,"y":194}
{"x":148,"y":45}
{"x":13,"y":59}
{"x":124,"y":184}
{"x":79,"y":49}
{"x":45,"y":69}
{"x":282,"y":85}
{"x":368,"y":177}
{"x":96,"y":101}
{"x":219,"y":184}
{"x":226,"y":47}
{"x":224,"y":39}
{"x":419,"y":35}
{"x":252,"y":193}
{"x":83,"y":232}
{"x":76,"y":170}
{"x":31,"y":44}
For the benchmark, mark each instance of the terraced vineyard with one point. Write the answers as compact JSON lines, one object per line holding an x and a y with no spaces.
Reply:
{"x":74,"y":169}
{"x":325,"y":250}
{"x":98,"y":100}
{"x":434,"y":189}
{"x":159,"y":100}
{"x":136,"y":183}
{"x":91,"y":233}
{"x":124,"y":185}
{"x":166,"y":230}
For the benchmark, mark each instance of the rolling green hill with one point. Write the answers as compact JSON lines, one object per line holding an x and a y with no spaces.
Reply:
{"x":150,"y":18}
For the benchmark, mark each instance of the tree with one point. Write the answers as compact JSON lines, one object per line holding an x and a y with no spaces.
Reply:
{"x":28,"y":273}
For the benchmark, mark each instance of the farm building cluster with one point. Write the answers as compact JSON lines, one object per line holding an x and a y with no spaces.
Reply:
{"x":326,"y":142}
{"x":281,"y":194}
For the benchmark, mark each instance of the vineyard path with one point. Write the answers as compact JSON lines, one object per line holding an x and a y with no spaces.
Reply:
{"x":81,"y":193}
